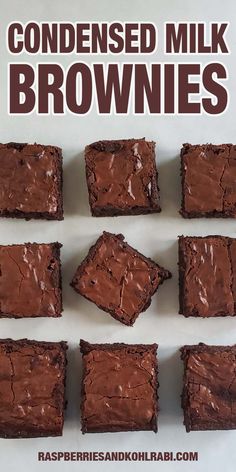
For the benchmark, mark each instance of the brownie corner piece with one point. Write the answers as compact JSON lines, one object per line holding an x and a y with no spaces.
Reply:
{"x":208,"y":180}
{"x":122,"y":177}
{"x":203,"y":259}
{"x":208,"y":397}
{"x":118,"y":279}
{"x":31,"y":181}
{"x":118,"y":393}
{"x":32,"y":388}
{"x":30,"y":280}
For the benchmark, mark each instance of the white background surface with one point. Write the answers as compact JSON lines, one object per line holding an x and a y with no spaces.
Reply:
{"x":154,"y":235}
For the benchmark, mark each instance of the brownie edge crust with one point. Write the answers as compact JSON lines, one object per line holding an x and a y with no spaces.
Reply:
{"x":119,"y":387}
{"x":209,"y":387}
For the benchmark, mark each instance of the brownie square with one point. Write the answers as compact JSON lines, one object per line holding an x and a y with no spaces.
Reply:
{"x":31,"y":181}
{"x":30,"y":280}
{"x":209,"y":391}
{"x":122,"y":177}
{"x":207,"y":276}
{"x":32,"y":388}
{"x":119,"y":387}
{"x":118,"y":279}
{"x":208,"y":180}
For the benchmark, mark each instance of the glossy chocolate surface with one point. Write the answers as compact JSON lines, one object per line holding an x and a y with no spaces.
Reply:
{"x":30,"y":280}
{"x":117,"y":278}
{"x":32,"y":388}
{"x":30,"y":181}
{"x":207,"y":268}
{"x":209,"y":393}
{"x":119,"y":391}
{"x":122,"y":177}
{"x":209,"y":180}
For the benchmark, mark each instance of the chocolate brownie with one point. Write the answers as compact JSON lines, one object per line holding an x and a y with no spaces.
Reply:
{"x":119,"y":387}
{"x":207,"y":276}
{"x":122,"y":177}
{"x":31,"y":181}
{"x":209,"y":391}
{"x":32,"y":388}
{"x":118,"y":279}
{"x":30,"y":280}
{"x":208,"y":180}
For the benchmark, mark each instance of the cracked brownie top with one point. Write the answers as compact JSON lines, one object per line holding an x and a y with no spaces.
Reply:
{"x":209,"y":392}
{"x":122,"y":177}
{"x":207,"y":276}
{"x":31,"y":181}
{"x":32,"y":384}
{"x":208,"y":180}
{"x":30,"y":280}
{"x":118,"y":279}
{"x":119,"y":390}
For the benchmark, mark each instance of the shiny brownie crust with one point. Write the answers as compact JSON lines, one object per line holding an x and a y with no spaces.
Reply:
{"x":31,"y":181}
{"x":207,"y":276}
{"x":209,"y":388}
{"x":30,"y":280}
{"x":32,"y":388}
{"x":118,"y":279}
{"x":119,"y":387}
{"x":208,"y":180}
{"x":122,"y":177}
